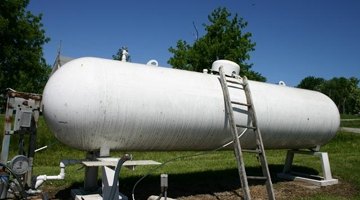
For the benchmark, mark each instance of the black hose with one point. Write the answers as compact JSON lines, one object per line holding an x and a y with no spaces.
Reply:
{"x":159,"y":197}
{"x":116,"y":175}
{"x":166,"y":162}
{"x":180,"y":157}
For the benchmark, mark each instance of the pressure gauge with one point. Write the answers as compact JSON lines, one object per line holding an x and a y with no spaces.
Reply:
{"x":19,"y":164}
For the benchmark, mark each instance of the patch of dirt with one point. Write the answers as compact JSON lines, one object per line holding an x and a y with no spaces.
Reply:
{"x":283,"y":191}
{"x":228,"y":190}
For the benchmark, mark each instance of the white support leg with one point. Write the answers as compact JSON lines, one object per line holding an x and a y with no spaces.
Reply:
{"x":91,"y":174}
{"x":324,"y":180}
{"x":108,"y":175}
{"x":325,"y":163}
{"x":288,"y":161}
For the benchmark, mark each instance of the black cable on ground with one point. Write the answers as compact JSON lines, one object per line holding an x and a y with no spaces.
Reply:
{"x":180,"y":157}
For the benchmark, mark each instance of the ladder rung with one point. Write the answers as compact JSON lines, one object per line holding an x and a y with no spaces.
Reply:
{"x":257,"y":177}
{"x":240,"y":103}
{"x":242,"y":126}
{"x":258,"y":151}
{"x":235,"y":81}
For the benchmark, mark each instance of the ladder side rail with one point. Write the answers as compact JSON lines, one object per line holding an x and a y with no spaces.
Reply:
{"x":237,"y":146}
{"x":259,"y":141}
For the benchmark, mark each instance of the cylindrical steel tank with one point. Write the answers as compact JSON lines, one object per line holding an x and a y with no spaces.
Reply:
{"x":93,"y":103}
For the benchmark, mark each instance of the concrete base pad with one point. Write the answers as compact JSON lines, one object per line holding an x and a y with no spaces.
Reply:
{"x":318,"y":182}
{"x":79,"y":194}
{"x":327,"y":178}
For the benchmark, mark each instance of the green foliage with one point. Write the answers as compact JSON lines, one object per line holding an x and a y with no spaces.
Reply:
{"x":22,"y":66}
{"x":224,"y":39}
{"x":311,"y":83}
{"x":344,"y":92}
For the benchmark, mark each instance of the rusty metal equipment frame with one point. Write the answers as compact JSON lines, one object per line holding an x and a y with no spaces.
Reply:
{"x":21,"y":117}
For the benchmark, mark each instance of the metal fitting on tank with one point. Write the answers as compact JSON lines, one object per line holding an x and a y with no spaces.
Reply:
{"x":229,"y":67}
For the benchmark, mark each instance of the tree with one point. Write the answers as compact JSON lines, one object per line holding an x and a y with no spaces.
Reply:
{"x":345,"y":93}
{"x":22,"y":66}
{"x":224,"y":39}
{"x":312,"y":83}
{"x":354,"y":97}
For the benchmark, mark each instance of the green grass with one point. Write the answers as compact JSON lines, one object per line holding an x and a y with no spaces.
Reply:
{"x":344,"y":152}
{"x":347,"y":116}
{"x":213,"y":172}
{"x":352,"y":124}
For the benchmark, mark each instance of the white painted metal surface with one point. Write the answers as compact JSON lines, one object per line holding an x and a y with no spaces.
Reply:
{"x":230,"y":67}
{"x":93,"y":103}
{"x":114,"y":161}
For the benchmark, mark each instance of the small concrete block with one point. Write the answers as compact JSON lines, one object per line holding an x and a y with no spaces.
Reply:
{"x":153,"y":197}
{"x":88,"y":197}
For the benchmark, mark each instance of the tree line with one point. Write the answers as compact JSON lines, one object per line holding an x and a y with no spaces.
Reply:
{"x":345,"y":92}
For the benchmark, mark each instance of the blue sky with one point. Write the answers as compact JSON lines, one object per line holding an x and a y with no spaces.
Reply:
{"x":294,"y":39}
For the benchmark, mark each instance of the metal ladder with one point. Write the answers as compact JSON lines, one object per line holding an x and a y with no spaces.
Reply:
{"x":237,"y":147}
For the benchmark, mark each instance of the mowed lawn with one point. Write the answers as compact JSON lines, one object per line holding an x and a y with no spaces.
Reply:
{"x":352,"y":121}
{"x":208,"y":173}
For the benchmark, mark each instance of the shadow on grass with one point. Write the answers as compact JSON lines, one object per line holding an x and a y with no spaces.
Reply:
{"x":206,"y":182}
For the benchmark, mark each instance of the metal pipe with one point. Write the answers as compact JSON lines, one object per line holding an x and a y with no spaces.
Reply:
{"x":41,"y":148}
